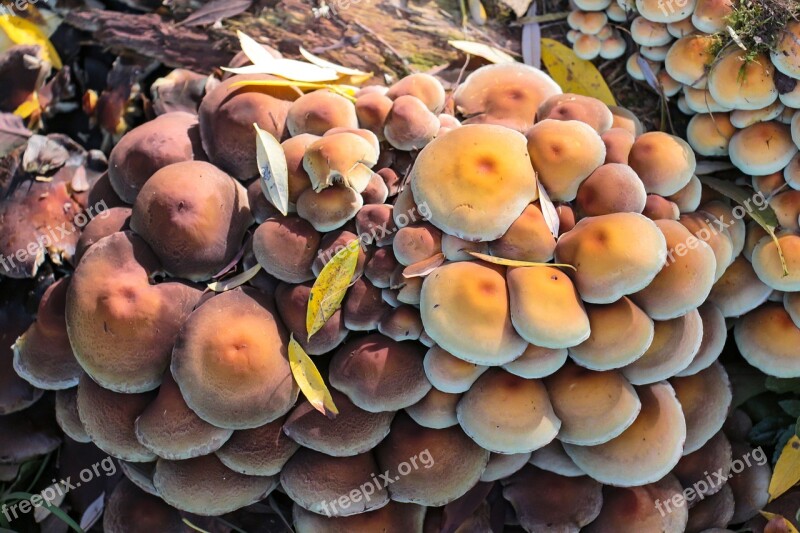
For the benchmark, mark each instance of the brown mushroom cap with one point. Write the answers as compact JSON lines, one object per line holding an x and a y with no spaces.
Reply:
{"x":710,"y":134}
{"x":620,"y":334}
{"x":505,"y":413}
{"x":452,"y":184}
{"x":465,"y":309}
{"x":739,"y":290}
{"x":544,"y":501}
{"x":448,"y":463}
{"x":502,"y":466}
{"x":623,"y":506}
{"x":715,"y":334}
{"x":372,"y":110}
{"x":713,"y":513}
{"x":546,"y":310}
{"x":416,"y":243}
{"x":286,"y":247}
{"x":330,"y":208}
{"x":108,"y":418}
{"x":410,"y":125}
{"x":422,"y":86}
{"x":608,"y":267}
{"x":292,"y":305}
{"x":644,"y":452}
{"x":319,"y":111}
{"x":379,"y":374}
{"x":786,"y":205}
{"x":694,"y":467}
{"x":227,"y":114}
{"x":393,"y":517}
{"x":768,"y":338}
{"x":626,"y":119}
{"x":294,"y":149}
{"x":612,"y":188}
{"x":342,"y":155}
{"x":354,"y":430}
{"x":111,"y":221}
{"x":619,"y":142}
{"x":206,"y":487}
{"x":767,"y":264}
{"x":16,"y":394}
{"x":685,"y":280}
{"x":448,"y":373}
{"x":437,"y":410}
{"x":230,"y":361}
{"x":688,"y":59}
{"x":763,"y":148}
{"x":649,"y":32}
{"x":564,"y":153}
{"x":740,"y":82}
{"x":260,"y":451}
{"x":334,"y":242}
{"x":141,"y":475}
{"x":750,"y":482}
{"x":507,"y":94}
{"x":43,"y":355}
{"x":25,"y":435}
{"x":171,"y":430}
{"x":334,"y":486}
{"x":67,"y":415}
{"x":169,"y":138}
{"x":710,"y":16}
{"x":664,"y":163}
{"x":577,"y":107}
{"x":785,"y":52}
{"x":537,"y":362}
{"x":554,"y":459}
{"x":791,"y":302}
{"x":659,"y":208}
{"x":403,"y":323}
{"x":131,"y":509}
{"x":705,"y":399}
{"x":121,"y":328}
{"x":527,"y":239}
{"x":363,"y":306}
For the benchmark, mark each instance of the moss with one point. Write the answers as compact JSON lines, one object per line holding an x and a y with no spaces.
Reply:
{"x":758,"y":24}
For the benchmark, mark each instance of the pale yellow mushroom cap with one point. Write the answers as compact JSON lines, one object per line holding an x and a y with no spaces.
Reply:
{"x":786,"y":56}
{"x":710,"y":134}
{"x":762,"y":148}
{"x":739,"y":83}
{"x":710,"y":16}
{"x":664,"y":163}
{"x":767,"y":264}
{"x":661,"y":11}
{"x":537,"y":362}
{"x":689,"y":58}
{"x":739,"y":290}
{"x":768,"y":339}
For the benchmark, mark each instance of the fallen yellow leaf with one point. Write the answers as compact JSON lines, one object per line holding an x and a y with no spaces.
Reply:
{"x":28,"y":107}
{"x":772,"y":516}
{"x":787,"y":469}
{"x":330,"y":287}
{"x":515,"y":263}
{"x":343,"y":90}
{"x":21,"y":31}
{"x":310,"y":380}
{"x":573,"y":74}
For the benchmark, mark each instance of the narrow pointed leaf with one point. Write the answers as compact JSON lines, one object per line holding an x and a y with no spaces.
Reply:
{"x":489,"y":53}
{"x":515,"y":263}
{"x":324,"y":63}
{"x":532,"y":39}
{"x":549,"y":211}
{"x":787,"y":470}
{"x":310,"y":380}
{"x":573,"y":74}
{"x":330,"y":287}
{"x":236,"y":281}
{"x":271,"y":161}
{"x":256,"y":53}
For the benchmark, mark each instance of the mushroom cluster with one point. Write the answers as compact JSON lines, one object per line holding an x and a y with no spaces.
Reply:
{"x":539,"y":300}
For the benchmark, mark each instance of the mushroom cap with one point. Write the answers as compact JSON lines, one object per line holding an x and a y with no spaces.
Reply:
{"x":675,"y":344}
{"x":194,"y":216}
{"x":544,"y":501}
{"x":141,"y":475}
{"x":437,"y":410}
{"x":25,"y":435}
{"x":318,"y":482}
{"x":230,"y":361}
{"x":505,"y":413}
{"x":554,"y":459}
{"x":681,"y":28}
{"x":623,"y":506}
{"x":593,"y":22}
{"x":614,"y":47}
{"x":67,"y":415}
{"x":379,"y":374}
{"x":354,"y":430}
{"x":646,"y":451}
{"x":108,"y":418}
{"x":742,"y":118}
{"x":402,"y":323}
{"x":784,"y":56}
{"x":416,"y":243}
{"x":619,"y":142}
{"x":740,"y":82}
{"x":227,"y":114}
{"x":577,"y":107}
{"x":260,"y":451}
{"x":689,"y":58}
{"x":171,"y":430}
{"x":791,"y":99}
{"x":330,"y":208}
{"x":715,"y":334}
{"x":546,"y":310}
{"x":713,"y":456}
{"x":688,"y":199}
{"x":710,"y":229}
{"x":507,"y":94}
{"x":169,"y":138}
{"x":465,"y":309}
{"x":713,"y":513}
{"x":502,"y":466}
{"x":450,"y":463}
{"x":587,"y":46}
{"x":763,"y":148}
{"x":705,"y":398}
{"x":791,"y":302}
{"x":286,"y":247}
{"x":294,"y":148}
{"x":422,"y":86}
{"x":701,"y":101}
{"x":377,"y":222}
{"x":710,"y":16}
{"x":319,"y":111}
{"x":655,"y":11}
{"x":333,"y":243}
{"x":393,"y":517}
{"x":43,"y":355}
{"x":537,"y":362}
{"x":685,"y":280}
{"x":612,"y":188}
{"x":341,"y":156}
{"x":767,"y":264}
{"x":659,"y":53}
{"x":620,"y":334}
{"x":121,"y":328}
{"x":372,"y":110}
{"x":363,"y":306}
{"x":787,"y":208}
{"x":16,"y":394}
{"x":292,"y":305}
{"x":564,"y":153}
{"x":649,"y":32}
{"x":710,"y":134}
{"x":196,"y":485}
{"x":739,"y":290}
{"x":626,"y":119}
{"x":769,"y":184}
{"x":664,"y":163}
{"x":527,"y":239}
{"x":448,"y":373}
{"x":791,"y":174}
{"x":460,"y":188}
{"x":659,"y":208}
{"x":112,"y":220}
{"x":767,"y":338}
{"x":608,"y":267}
{"x":410,"y":125}
{"x":594,"y":407}
{"x":128,"y":505}
{"x":750,"y":485}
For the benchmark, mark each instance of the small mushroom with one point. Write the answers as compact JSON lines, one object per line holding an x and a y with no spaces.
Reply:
{"x":319,"y":111}
{"x":768,"y":338}
{"x":705,"y":399}
{"x":645,"y":506}
{"x":664,"y":163}
{"x":260,"y":451}
{"x":739,"y":290}
{"x":449,"y":373}
{"x":741,"y":82}
{"x":286,"y":248}
{"x":129,"y":506}
{"x":537,"y":362}
{"x":436,"y":410}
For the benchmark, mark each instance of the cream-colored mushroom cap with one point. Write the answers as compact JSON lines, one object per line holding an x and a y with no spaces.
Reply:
{"x":681,"y":28}
{"x":608,"y":267}
{"x":577,"y":107}
{"x":320,"y":111}
{"x":768,"y":339}
{"x":620,"y":334}
{"x":656,"y":11}
{"x":705,"y":399}
{"x":505,"y":413}
{"x":710,"y":134}
{"x":762,"y":148}
{"x":688,"y":199}
{"x":448,"y":373}
{"x":587,"y":46}
{"x":648,"y":32}
{"x":614,"y":47}
{"x":646,"y":451}
{"x":564,"y":153}
{"x":594,"y":407}
{"x":537,"y":362}
{"x":742,"y":118}
{"x":554,"y":459}
{"x":465,"y":309}
{"x":664,"y":163}
{"x":642,"y":506}
{"x":710,"y":16}
{"x":742,"y":83}
{"x":786,"y":54}
{"x":689,"y":58}
{"x":701,"y":101}
{"x":791,"y":302}
{"x":739,"y":290}
{"x":437,"y":410}
{"x":707,"y":228}
{"x":767,"y":262}
{"x":475,"y":180}
{"x":715,"y":333}
{"x":343,"y":157}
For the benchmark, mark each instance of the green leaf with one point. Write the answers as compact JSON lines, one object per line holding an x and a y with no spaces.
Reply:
{"x":235,"y":281}
{"x":330,"y":287}
{"x":59,"y":513}
{"x":272,"y":166}
{"x":310,"y":380}
{"x":764,"y":216}
{"x":573,"y":74}
{"x":515,"y":263}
